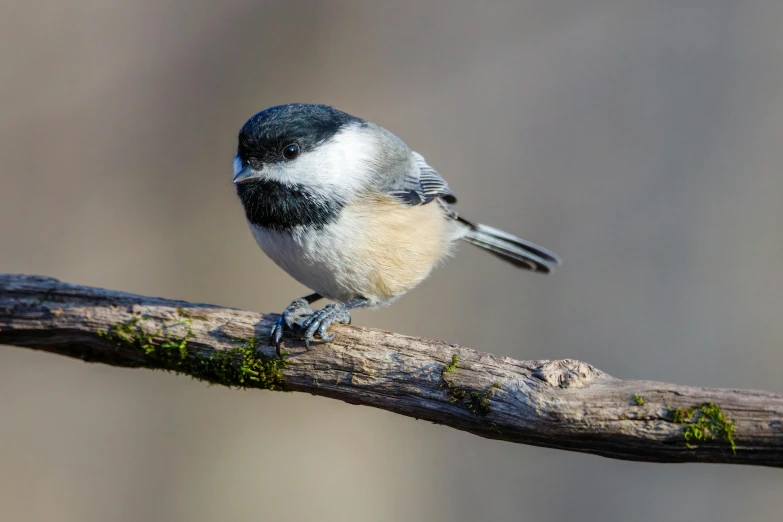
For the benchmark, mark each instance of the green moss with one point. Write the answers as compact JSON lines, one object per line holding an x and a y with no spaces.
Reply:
{"x":704,"y":423}
{"x":453,"y":364}
{"x":240,"y":367}
{"x":638,"y":399}
{"x":476,"y":402}
{"x":680,"y":415}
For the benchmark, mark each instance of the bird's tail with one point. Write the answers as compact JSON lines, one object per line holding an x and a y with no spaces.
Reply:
{"x":518,"y":252}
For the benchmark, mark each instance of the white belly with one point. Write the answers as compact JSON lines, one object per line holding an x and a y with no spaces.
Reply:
{"x":315,"y":260}
{"x":376,"y":251}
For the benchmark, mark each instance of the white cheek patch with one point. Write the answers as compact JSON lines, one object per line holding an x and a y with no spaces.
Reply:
{"x":340,"y":164}
{"x":350,"y":155}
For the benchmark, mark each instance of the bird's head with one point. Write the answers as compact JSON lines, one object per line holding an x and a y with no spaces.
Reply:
{"x":312,"y":146}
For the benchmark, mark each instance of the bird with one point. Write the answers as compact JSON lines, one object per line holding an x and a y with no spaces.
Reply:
{"x":346,"y":208}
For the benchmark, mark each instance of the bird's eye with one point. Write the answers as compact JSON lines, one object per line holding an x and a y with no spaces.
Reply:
{"x":291,"y":151}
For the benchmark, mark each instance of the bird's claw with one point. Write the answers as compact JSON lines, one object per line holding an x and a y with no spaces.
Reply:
{"x":294,"y":313}
{"x":319,"y":322}
{"x":299,"y":316}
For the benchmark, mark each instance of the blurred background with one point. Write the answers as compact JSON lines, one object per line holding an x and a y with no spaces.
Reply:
{"x":638,"y":140}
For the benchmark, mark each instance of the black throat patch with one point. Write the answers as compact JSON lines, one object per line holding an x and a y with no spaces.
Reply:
{"x":281,"y":207}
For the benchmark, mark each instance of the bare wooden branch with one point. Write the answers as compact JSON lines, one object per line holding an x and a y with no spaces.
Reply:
{"x":557,"y":404}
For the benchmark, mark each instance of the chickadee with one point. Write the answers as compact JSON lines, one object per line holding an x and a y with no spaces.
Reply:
{"x":348,"y":210}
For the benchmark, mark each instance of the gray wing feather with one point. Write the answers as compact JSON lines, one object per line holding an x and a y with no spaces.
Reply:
{"x":423,"y":185}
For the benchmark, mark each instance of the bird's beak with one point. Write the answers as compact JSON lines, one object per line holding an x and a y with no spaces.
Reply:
{"x":245,"y":174}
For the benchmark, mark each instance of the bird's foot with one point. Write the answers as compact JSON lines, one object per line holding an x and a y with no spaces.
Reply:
{"x":299,"y":316}
{"x":319,"y":322}
{"x":297,"y":311}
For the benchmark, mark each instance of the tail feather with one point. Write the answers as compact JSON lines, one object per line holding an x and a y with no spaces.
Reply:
{"x":511,"y":249}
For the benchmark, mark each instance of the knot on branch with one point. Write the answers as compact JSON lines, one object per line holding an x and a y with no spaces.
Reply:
{"x":567,"y":373}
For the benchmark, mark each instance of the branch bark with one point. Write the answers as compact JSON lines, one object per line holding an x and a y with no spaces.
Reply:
{"x":563,"y":404}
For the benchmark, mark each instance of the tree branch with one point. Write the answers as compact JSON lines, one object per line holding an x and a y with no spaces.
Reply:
{"x":557,"y":404}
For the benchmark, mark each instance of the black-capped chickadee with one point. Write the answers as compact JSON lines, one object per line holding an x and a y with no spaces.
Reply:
{"x":348,"y":210}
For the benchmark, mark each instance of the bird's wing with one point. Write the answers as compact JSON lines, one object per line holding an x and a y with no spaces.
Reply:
{"x":423,"y":184}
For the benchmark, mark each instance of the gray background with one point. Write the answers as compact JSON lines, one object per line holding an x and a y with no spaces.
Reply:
{"x":639,"y":140}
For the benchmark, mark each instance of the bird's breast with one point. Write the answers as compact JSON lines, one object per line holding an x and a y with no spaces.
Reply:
{"x":375,"y":248}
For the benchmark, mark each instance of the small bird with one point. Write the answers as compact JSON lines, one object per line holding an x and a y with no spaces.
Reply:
{"x":348,"y":210}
